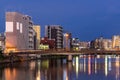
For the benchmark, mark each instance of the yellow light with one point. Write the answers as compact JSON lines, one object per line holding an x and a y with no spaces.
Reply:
{"x":66,"y":35}
{"x":12,"y":49}
{"x":77,"y":65}
{"x":106,"y":66}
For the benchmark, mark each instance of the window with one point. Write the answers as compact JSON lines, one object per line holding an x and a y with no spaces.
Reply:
{"x":9,"y":26}
{"x":21,"y":27}
{"x":18,"y":25}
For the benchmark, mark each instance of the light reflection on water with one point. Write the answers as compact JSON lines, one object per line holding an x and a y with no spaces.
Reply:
{"x":90,"y":67}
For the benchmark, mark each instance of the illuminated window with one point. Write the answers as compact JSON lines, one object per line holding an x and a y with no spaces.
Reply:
{"x":9,"y":26}
{"x":17,"y":24}
{"x":20,"y":27}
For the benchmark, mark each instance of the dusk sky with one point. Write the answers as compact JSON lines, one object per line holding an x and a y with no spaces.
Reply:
{"x":85,"y":19}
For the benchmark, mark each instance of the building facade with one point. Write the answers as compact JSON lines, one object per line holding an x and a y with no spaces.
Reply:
{"x":67,"y":41}
{"x":75,"y":44}
{"x":84,"y":45}
{"x":19,"y":32}
{"x":116,"y":42}
{"x":101,"y":44}
{"x":37,"y":29}
{"x":55,"y":32}
{"x":107,"y":44}
{"x":50,"y":42}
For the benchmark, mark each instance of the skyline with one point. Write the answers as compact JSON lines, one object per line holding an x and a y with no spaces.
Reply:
{"x":85,"y":19}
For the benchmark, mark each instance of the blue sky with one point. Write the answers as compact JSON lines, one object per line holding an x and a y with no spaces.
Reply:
{"x":85,"y":19}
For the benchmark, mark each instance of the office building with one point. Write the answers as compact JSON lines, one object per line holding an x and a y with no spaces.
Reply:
{"x":84,"y":45}
{"x":107,"y":44}
{"x":67,"y":38}
{"x":37,"y":29}
{"x":101,"y":44}
{"x":19,"y":32}
{"x":55,"y":32}
{"x":97,"y":43}
{"x":116,"y":42}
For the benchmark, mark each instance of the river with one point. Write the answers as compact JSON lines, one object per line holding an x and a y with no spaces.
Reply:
{"x":84,"y":67}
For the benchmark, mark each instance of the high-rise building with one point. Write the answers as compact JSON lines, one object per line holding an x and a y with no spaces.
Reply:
{"x":116,"y":42}
{"x":38,"y":35}
{"x":55,"y":32}
{"x":107,"y":44}
{"x":101,"y":44}
{"x":19,"y":32}
{"x":67,"y":41}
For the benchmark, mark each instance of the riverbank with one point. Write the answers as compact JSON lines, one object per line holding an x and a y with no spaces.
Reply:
{"x":12,"y":59}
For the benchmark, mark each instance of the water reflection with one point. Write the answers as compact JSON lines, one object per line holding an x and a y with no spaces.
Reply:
{"x":89,"y":65}
{"x":106,"y":65}
{"x":95,"y":65}
{"x":84,"y":67}
{"x":117,"y":64}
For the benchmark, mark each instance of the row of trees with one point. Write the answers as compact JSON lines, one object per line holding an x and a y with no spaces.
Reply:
{"x":1,"y":55}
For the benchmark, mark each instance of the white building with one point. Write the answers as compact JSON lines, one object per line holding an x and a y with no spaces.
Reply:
{"x":19,"y":32}
{"x":116,"y":42}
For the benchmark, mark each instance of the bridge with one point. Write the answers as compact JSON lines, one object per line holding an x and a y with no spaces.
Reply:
{"x":53,"y":52}
{"x":68,"y":54}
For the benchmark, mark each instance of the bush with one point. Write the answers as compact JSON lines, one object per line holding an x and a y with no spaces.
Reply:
{"x":1,"y":55}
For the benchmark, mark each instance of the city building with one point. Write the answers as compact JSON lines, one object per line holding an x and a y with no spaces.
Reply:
{"x":19,"y":32}
{"x":75,"y":44}
{"x":50,"y":43}
{"x":37,"y":29}
{"x":55,"y":32}
{"x":116,"y":42}
{"x":101,"y":44}
{"x":84,"y":45}
{"x":107,"y":44}
{"x":97,"y":43}
{"x":2,"y":42}
{"x":67,"y":38}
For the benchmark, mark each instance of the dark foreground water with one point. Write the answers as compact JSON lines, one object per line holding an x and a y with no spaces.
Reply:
{"x":81,"y":68}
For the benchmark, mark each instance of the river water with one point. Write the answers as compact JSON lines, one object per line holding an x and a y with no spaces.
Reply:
{"x":87,"y":67}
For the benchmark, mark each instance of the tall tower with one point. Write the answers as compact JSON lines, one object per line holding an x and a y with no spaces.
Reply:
{"x":38,"y":35}
{"x":55,"y":32}
{"x":19,"y":32}
{"x":116,"y":42}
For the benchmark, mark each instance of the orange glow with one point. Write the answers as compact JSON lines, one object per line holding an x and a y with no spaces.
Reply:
{"x":7,"y":44}
{"x":10,"y":74}
{"x":9,"y":47}
{"x":89,"y":65}
{"x":10,"y":50}
{"x":117,"y":68}
{"x":117,"y":62}
{"x":66,"y":35}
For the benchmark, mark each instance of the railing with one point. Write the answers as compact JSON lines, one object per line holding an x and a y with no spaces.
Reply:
{"x":66,"y":52}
